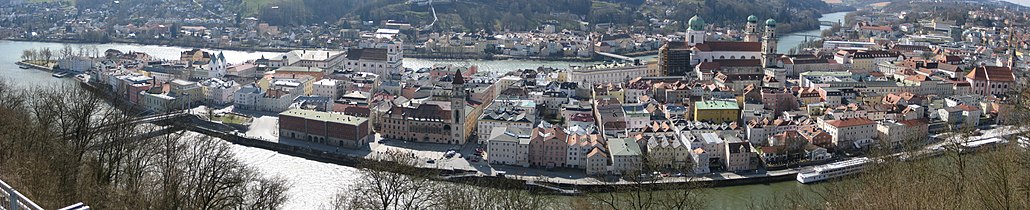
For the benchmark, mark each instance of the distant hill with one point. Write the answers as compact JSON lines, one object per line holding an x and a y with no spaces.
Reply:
{"x":463,"y":15}
{"x":518,"y":15}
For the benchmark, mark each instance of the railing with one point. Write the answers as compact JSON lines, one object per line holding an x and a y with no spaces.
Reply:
{"x":13,"y":200}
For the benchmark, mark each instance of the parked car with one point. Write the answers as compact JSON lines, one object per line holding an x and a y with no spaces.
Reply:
{"x":449,"y":154}
{"x":431,"y":161}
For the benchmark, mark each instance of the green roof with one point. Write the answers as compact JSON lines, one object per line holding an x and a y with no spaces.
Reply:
{"x":324,"y":116}
{"x":624,"y":147}
{"x":716,"y":105}
{"x":696,"y":23}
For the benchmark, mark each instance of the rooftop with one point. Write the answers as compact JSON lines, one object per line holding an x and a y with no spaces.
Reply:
{"x":297,"y":69}
{"x":716,"y":105}
{"x":367,"y":54}
{"x":729,"y":46}
{"x":850,"y":122}
{"x":991,"y":73}
{"x":315,"y":55}
{"x":324,"y":116}
{"x":624,"y":147}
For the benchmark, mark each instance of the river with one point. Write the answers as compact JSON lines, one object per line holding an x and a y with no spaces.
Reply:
{"x":314,"y":183}
{"x":794,"y":39}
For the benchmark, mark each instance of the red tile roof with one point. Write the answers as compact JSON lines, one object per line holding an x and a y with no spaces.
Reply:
{"x":729,"y":46}
{"x":850,"y":122}
{"x":718,"y":64}
{"x":967,"y":107}
{"x":991,"y":73}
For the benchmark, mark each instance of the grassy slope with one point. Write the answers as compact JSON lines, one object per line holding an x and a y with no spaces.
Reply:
{"x":251,"y":7}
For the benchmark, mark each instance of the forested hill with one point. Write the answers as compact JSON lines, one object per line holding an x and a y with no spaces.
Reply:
{"x":463,"y":15}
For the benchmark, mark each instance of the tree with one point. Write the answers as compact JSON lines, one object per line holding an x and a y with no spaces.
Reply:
{"x":643,"y":192}
{"x":392,"y":182}
{"x":26,"y":55}
{"x":492,"y":194}
{"x":71,"y":146}
{"x":33,"y":54}
{"x":46,"y":54}
{"x":67,"y":52}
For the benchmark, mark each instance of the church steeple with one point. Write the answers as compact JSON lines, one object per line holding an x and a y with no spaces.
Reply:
{"x":751,"y":29}
{"x":1013,"y":58}
{"x":769,"y":44}
{"x":695,"y":31}
{"x":458,"y":108}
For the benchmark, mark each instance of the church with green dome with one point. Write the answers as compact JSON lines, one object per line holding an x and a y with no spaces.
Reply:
{"x":756,"y":52}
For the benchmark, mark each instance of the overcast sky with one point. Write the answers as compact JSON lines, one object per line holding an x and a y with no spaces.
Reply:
{"x":1022,"y":2}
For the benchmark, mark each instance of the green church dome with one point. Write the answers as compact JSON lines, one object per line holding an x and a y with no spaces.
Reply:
{"x":696,"y":23}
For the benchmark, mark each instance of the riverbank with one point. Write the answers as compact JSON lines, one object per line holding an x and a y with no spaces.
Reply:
{"x":163,"y":44}
{"x":480,"y":179}
{"x":35,"y":66}
{"x":408,"y":54}
{"x":483,"y":56}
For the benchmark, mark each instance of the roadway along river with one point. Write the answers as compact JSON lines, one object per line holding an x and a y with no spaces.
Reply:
{"x":315,"y":182}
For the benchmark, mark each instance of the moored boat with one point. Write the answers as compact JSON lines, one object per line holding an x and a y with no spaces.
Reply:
{"x":834,"y":170}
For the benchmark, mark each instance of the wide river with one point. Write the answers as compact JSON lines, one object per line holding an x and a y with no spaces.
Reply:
{"x":314,"y":183}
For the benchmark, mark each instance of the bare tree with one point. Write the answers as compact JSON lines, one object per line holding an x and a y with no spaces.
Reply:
{"x":73,"y":147}
{"x":46,"y":54}
{"x":390,"y":184}
{"x":26,"y":55}
{"x":67,"y":51}
{"x":488,"y":193}
{"x":644,"y":192}
{"x":32,"y":54}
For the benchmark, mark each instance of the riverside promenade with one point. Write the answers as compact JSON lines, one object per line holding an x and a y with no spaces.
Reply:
{"x":35,"y":66}
{"x":468,"y":170}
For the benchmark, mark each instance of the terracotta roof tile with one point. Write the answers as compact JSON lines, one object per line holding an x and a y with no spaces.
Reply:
{"x":715,"y":46}
{"x":850,"y":122}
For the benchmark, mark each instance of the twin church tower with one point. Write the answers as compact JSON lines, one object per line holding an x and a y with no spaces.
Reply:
{"x":696,"y":35}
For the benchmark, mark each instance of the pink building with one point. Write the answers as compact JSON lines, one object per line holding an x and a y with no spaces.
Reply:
{"x":134,"y":90}
{"x":548,"y":147}
{"x":991,"y":80}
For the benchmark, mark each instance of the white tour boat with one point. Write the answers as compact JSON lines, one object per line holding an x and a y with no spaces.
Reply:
{"x":834,"y":170}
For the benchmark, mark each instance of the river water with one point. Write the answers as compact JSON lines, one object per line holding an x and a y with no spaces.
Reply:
{"x":313,"y":183}
{"x":794,"y":39}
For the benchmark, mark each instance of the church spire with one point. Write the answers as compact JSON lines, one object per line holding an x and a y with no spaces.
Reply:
{"x":1013,"y":58}
{"x":769,"y":43}
{"x":458,"y":101}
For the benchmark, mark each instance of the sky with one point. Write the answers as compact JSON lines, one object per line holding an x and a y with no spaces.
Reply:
{"x":1021,"y":2}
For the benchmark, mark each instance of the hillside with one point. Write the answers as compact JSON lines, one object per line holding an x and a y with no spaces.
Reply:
{"x":464,"y":15}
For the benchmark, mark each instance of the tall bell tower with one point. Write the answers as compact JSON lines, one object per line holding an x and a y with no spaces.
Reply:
{"x":769,"y":44}
{"x":695,"y":31}
{"x":751,"y":30}
{"x":458,"y":108}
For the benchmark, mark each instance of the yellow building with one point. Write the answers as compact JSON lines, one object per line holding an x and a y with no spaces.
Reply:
{"x":716,"y":111}
{"x":610,"y":90}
